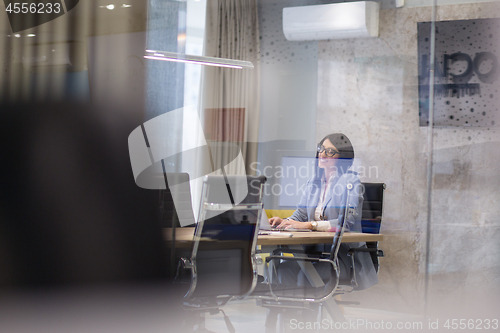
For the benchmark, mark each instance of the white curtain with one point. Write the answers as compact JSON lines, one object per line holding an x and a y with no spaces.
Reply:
{"x":231,"y":101}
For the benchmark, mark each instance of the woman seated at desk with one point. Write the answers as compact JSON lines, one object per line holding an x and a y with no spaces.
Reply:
{"x":319,"y":209}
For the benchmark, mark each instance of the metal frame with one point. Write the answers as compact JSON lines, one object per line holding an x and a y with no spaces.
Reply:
{"x":191,"y":263}
{"x":337,"y":240}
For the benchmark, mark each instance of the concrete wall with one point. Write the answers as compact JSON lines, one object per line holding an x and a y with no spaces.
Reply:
{"x":289,"y":75}
{"x":368,"y":89}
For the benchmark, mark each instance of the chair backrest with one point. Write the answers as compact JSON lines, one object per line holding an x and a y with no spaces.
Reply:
{"x":373,"y":200}
{"x":178,"y":190}
{"x":371,"y":218}
{"x":226,"y":236}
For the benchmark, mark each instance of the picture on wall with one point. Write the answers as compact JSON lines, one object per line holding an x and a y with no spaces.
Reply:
{"x":466,"y":73}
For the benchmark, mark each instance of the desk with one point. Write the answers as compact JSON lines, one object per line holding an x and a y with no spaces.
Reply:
{"x":184,"y":237}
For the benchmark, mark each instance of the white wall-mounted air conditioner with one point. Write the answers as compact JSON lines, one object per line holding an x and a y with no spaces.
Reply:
{"x":332,"y":21}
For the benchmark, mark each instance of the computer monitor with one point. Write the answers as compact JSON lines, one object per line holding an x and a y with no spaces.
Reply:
{"x":295,"y":169}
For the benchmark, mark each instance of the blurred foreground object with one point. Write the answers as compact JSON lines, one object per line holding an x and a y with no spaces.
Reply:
{"x":70,"y":212}
{"x":80,"y":244}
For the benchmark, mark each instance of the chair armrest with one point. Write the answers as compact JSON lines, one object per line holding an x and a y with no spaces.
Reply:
{"x":185,"y":263}
{"x":323,"y":255}
{"x":380,"y":253}
{"x":310,"y":259}
{"x":258,"y":259}
{"x":284,"y":250}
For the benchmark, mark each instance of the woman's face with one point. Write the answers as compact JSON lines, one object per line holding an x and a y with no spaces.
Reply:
{"x":326,"y":162}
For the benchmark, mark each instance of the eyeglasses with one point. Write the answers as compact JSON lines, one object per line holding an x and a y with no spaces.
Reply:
{"x":330,"y":152}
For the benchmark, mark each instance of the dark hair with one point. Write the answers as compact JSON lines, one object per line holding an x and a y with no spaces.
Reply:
{"x":345,"y":148}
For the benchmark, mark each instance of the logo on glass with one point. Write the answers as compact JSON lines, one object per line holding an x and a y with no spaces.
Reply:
{"x":155,"y":162}
{"x":29,"y":14}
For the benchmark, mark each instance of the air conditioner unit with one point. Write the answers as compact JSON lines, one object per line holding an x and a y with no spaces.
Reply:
{"x":332,"y":21}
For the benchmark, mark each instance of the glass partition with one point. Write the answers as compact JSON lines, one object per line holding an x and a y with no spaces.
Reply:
{"x":414,"y":100}
{"x":461,"y":247}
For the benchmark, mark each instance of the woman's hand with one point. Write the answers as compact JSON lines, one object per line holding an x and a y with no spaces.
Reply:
{"x":275,"y":221}
{"x":286,"y":224}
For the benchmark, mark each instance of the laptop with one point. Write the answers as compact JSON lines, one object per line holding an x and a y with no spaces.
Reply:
{"x":264,"y":225}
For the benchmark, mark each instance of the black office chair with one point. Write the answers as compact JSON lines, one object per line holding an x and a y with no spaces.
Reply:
{"x":222,"y":261}
{"x":371,"y":219}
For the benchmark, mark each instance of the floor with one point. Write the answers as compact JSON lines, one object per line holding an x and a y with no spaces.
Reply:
{"x":247,"y":317}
